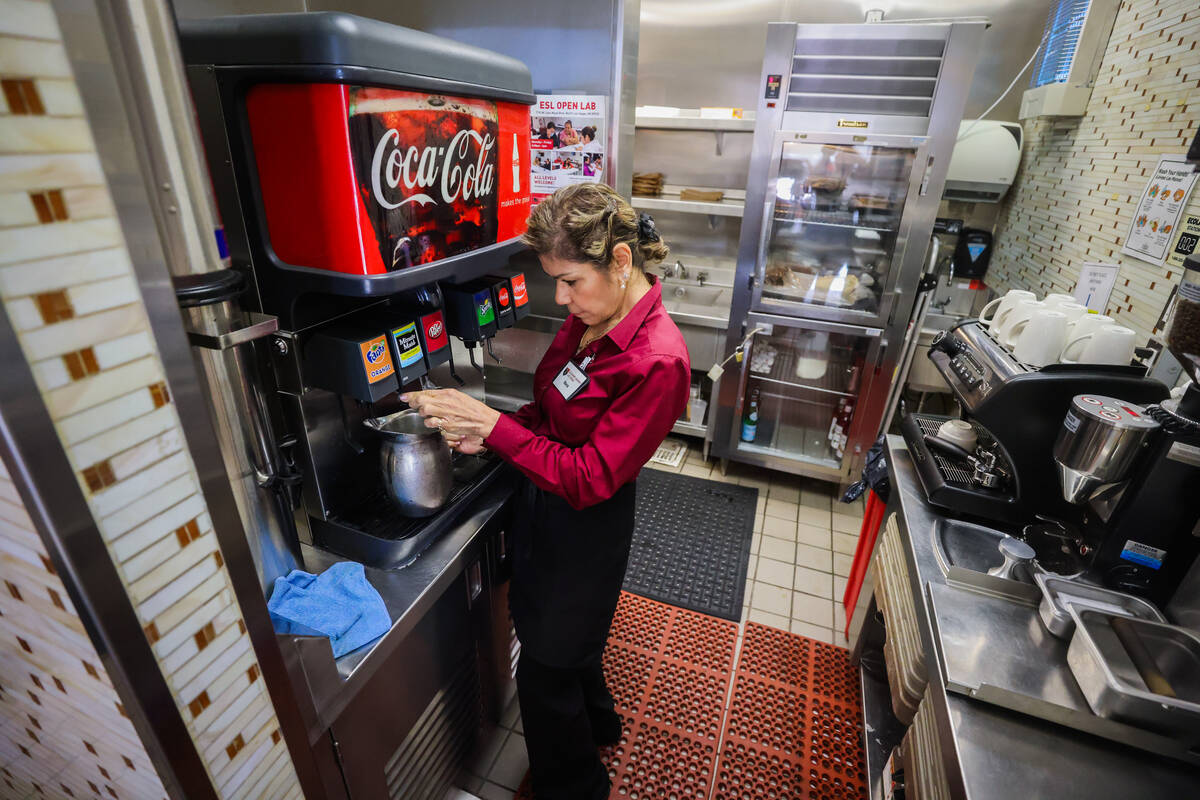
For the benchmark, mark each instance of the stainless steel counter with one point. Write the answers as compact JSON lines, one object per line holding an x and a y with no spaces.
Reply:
{"x":408,"y":593}
{"x":991,"y":752}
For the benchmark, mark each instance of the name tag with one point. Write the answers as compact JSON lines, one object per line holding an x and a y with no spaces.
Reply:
{"x":571,"y":379}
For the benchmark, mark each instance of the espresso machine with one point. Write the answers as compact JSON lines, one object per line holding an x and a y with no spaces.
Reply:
{"x":1015,"y":410}
{"x":1134,"y":472}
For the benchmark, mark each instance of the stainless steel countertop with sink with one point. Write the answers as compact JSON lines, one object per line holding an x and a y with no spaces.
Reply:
{"x":984,"y":643}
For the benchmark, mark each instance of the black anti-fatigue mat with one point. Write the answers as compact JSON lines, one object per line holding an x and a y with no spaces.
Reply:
{"x":691,"y":542}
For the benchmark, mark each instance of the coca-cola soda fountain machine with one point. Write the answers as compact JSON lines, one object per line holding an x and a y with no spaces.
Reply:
{"x":371,"y":181}
{"x":359,"y":168}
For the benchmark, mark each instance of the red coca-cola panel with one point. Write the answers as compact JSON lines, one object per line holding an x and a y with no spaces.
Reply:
{"x":365,"y":180}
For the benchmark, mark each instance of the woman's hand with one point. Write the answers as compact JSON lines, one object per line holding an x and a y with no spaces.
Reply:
{"x":464,"y":421}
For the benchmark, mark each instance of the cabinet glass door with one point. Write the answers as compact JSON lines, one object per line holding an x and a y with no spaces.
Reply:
{"x":800,"y":391}
{"x":831,"y":234}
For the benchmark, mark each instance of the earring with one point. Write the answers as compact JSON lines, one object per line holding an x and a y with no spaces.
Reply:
{"x":624,"y":278}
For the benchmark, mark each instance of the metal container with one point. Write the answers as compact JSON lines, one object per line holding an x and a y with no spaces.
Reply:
{"x":1059,"y":594}
{"x":1098,"y":441}
{"x":415,"y":462}
{"x":1113,"y":686}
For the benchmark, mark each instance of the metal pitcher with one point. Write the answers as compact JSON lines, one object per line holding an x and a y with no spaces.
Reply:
{"x":415,"y":462}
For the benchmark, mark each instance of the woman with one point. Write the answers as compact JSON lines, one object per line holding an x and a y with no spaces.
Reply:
{"x":607,"y":392}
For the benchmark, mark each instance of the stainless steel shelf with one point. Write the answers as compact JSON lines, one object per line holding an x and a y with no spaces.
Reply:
{"x":685,"y":428}
{"x":849,"y":225}
{"x":690,"y":120}
{"x":667,"y":202}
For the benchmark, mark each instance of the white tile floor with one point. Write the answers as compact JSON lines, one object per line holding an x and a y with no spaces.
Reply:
{"x":800,"y":556}
{"x":802,"y":550}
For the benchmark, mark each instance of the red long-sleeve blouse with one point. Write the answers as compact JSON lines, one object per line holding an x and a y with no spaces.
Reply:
{"x":585,"y":448}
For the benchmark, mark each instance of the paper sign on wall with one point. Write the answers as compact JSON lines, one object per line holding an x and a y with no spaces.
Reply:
{"x":1096,"y":282}
{"x":567,"y":143}
{"x":1185,"y":243}
{"x":1156,"y":218}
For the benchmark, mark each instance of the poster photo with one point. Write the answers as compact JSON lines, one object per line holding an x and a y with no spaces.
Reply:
{"x":1156,"y":219}
{"x":567,"y":142}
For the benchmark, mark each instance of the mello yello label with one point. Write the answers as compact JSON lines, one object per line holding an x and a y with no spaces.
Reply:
{"x":377,"y":361}
{"x":407,"y":345}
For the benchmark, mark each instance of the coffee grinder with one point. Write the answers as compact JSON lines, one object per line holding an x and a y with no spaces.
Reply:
{"x":1135,"y":471}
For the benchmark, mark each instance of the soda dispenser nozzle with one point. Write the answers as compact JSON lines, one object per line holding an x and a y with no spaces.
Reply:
{"x":491,"y":352}
{"x":471,"y":355}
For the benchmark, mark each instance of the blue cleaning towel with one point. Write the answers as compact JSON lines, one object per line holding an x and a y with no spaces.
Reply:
{"x":338,"y":603}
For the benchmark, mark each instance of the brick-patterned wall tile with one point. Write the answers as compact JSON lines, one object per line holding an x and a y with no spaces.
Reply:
{"x":1080,"y":179}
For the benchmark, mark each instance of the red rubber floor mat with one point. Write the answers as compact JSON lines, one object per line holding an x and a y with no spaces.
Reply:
{"x":793,"y":728}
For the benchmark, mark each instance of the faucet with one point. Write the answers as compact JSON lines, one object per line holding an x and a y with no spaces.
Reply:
{"x":676,"y":270}
{"x":701,"y":277}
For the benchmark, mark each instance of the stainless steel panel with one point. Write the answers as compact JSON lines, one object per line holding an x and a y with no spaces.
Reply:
{"x":710,"y":54}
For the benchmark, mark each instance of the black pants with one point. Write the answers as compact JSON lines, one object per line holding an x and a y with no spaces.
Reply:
{"x":559,"y":709}
{"x":568,"y":566}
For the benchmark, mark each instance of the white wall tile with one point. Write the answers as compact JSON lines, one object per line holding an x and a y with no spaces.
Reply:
{"x":120,"y":351}
{"x":61,"y":238}
{"x":37,"y":171}
{"x":32,"y":20}
{"x":177,"y":614}
{"x":80,"y":332}
{"x":157,"y":528}
{"x":122,"y":437}
{"x":24,"y":314}
{"x":97,"y":389}
{"x":16,"y":209}
{"x":119,"y":495}
{"x":37,"y":134}
{"x":91,"y":298}
{"x":51,"y":373}
{"x":148,"y":453}
{"x":44,"y":275}
{"x":197,"y":683}
{"x":178,"y":564}
{"x":227,"y":641}
{"x":174,"y":592}
{"x":87,"y":424}
{"x":145,"y":508}
{"x":60,"y":98}
{"x":170,"y":641}
{"x":32,"y":59}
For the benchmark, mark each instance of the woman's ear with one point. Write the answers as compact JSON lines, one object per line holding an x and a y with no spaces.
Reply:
{"x":622,"y":258}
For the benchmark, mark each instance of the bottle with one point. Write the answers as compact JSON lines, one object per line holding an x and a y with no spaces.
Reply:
{"x":750,"y":422}
{"x":516,"y":166}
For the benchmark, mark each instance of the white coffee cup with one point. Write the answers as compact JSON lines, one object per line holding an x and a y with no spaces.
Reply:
{"x":1040,"y":339}
{"x":1072,"y":309}
{"x":1108,"y":344}
{"x":1015,"y":323}
{"x":959,"y":432}
{"x":1085,"y":323}
{"x":1055,"y":298}
{"x":1004,"y":305}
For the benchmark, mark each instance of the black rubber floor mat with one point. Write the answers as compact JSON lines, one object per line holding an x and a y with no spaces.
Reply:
{"x":691,"y":542}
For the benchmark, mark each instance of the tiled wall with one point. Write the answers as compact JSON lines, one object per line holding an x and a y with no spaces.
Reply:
{"x":68,"y":287}
{"x":1081,"y":178}
{"x":63,"y":730}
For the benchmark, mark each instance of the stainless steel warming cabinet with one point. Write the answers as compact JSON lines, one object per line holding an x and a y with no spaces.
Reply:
{"x":853,"y":136}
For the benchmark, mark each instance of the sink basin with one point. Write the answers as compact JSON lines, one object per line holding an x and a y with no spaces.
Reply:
{"x":966,"y":545}
{"x":966,"y":551}
{"x":693,"y":295}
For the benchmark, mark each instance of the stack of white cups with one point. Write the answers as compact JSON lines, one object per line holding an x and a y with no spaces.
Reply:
{"x":1056,"y":329}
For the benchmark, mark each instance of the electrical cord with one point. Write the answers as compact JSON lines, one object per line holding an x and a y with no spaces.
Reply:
{"x":1004,"y":94}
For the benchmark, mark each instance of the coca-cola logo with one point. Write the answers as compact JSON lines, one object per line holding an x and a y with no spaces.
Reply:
{"x":451,"y":171}
{"x":434,"y":331}
{"x":503,"y":294}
